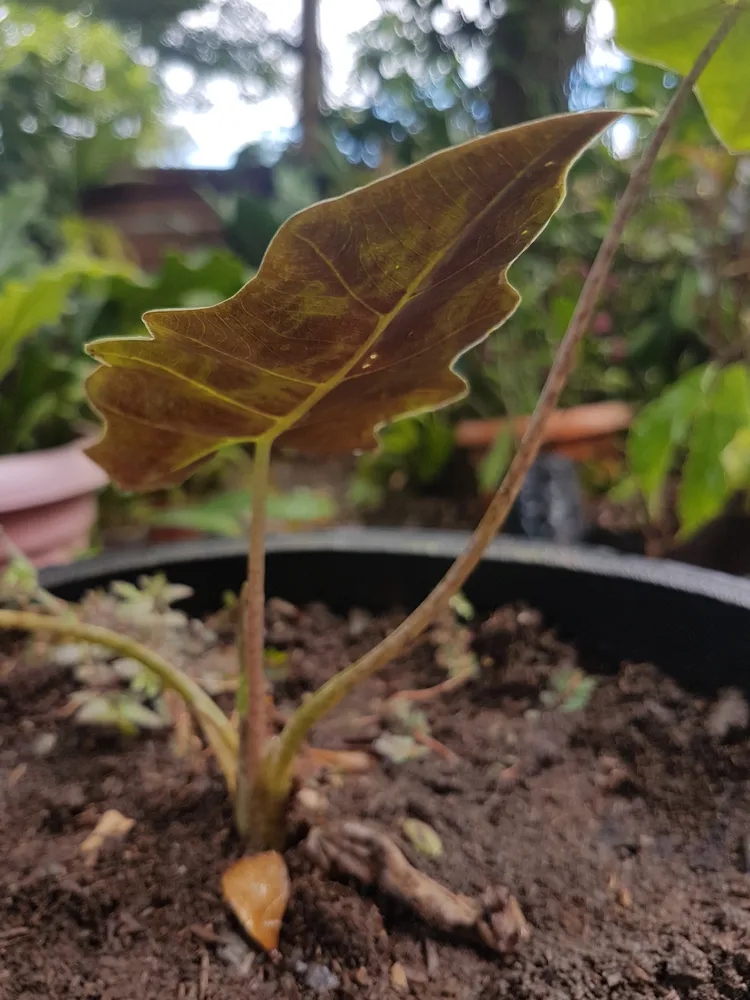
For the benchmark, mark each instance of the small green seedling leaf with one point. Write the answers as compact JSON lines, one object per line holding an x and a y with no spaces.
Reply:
{"x":672,"y":34}
{"x":94,"y":710}
{"x":155,"y":593}
{"x":423,"y":838}
{"x":19,"y":581}
{"x":453,"y":641}
{"x":462,"y":606}
{"x":399,"y":748}
{"x":140,"y":716}
{"x":570,"y":690}
{"x":165,"y":594}
{"x":403,"y":717}
{"x":161,"y":592}
{"x":126,"y":668}
{"x":276,"y":663}
{"x":146,"y":684}
{"x":116,"y":711}
{"x":149,"y":603}
{"x":580,"y":696}
{"x":127,"y":592}
{"x":355,"y":316}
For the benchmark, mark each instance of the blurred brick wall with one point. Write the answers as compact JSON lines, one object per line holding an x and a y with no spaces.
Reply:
{"x":159,"y":210}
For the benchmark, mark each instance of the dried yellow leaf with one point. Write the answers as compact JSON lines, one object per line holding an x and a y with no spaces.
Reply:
{"x":257,"y":889}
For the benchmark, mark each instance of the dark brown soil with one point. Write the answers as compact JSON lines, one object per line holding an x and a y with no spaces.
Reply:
{"x":623,"y":829}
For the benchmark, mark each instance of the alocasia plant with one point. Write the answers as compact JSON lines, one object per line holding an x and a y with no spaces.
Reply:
{"x":356,"y":315}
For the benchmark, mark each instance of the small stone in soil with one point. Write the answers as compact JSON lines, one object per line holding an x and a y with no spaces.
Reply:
{"x":205,"y":933}
{"x":68,"y":654}
{"x":431,"y":958}
{"x":44,"y":744}
{"x":361,"y":976}
{"x":415,"y":975}
{"x":73,"y":797}
{"x":311,"y":801}
{"x":398,"y":977}
{"x":276,"y":607}
{"x":320,"y":978}
{"x":612,"y":775}
{"x":235,"y":952}
{"x":280,"y":633}
{"x":729,"y":714}
{"x":358,"y":622}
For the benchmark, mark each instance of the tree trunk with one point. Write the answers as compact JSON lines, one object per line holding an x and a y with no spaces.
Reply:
{"x":533,"y":53}
{"x":312,"y":81}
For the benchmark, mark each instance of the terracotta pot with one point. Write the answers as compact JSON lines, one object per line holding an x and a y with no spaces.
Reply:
{"x":48,"y":502}
{"x":582,"y":433}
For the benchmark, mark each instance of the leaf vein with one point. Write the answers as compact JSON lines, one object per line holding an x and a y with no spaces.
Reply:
{"x":207,"y":390}
{"x":334,"y":271}
{"x":236,"y":360}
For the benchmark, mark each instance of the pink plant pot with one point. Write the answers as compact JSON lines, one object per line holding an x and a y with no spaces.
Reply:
{"x":48,"y":502}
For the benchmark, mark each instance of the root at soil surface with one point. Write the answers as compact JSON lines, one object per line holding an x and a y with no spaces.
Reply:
{"x":356,"y":850}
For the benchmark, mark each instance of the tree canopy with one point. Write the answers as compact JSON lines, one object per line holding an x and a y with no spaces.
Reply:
{"x":75,"y":99}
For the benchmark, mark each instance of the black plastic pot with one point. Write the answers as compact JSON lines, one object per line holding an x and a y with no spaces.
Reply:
{"x":693,"y":623}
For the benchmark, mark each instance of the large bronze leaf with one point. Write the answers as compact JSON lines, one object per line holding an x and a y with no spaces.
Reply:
{"x":358,"y":310}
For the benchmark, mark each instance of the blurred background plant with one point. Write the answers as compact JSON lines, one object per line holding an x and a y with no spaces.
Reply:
{"x":47,"y":311}
{"x":76,"y":100}
{"x":414,"y":451}
{"x":90,"y":93}
{"x":678,"y":298}
{"x":430,"y":73}
{"x":687,"y":453}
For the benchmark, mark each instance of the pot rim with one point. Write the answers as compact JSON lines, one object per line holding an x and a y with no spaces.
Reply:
{"x":437,"y":544}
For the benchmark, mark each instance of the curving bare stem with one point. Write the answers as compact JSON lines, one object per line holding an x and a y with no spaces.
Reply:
{"x":216,"y":726}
